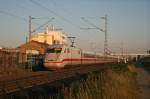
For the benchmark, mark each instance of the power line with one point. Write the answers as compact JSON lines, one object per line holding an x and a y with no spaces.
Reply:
{"x":95,"y":27}
{"x":56,"y":14}
{"x":13,"y":15}
{"x":43,"y":24}
{"x":24,"y":8}
{"x":62,"y":8}
{"x":103,"y":30}
{"x":30,"y":23}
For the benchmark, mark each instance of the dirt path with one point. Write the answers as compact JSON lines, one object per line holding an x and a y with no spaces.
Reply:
{"x":143,"y":79}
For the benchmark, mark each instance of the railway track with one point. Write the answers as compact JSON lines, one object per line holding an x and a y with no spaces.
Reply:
{"x":13,"y":84}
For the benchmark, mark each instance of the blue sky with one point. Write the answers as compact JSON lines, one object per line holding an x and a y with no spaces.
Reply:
{"x":128,"y":21}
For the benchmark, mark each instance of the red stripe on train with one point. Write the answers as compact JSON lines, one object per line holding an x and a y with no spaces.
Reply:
{"x":68,"y":59}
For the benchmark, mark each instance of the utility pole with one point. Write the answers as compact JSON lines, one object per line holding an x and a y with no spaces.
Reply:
{"x":30,"y":18}
{"x":30,"y":25}
{"x":122,"y":49}
{"x":106,"y":37}
{"x":103,"y":30}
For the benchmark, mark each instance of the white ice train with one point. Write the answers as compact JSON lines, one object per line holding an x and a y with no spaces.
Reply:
{"x":62,"y":56}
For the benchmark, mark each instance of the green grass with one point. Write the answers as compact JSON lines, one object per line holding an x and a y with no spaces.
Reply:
{"x":116,"y":82}
{"x":108,"y":85}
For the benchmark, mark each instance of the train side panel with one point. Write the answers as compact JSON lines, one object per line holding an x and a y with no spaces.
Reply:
{"x":69,"y":56}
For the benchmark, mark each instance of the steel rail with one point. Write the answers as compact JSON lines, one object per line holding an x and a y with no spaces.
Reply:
{"x":15,"y":84}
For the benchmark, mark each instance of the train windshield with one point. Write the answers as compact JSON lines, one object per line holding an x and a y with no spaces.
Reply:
{"x":54,"y":50}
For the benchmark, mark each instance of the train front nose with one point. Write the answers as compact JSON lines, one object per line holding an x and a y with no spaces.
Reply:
{"x":51,"y":60}
{"x":49,"y":65}
{"x":52,"y":65}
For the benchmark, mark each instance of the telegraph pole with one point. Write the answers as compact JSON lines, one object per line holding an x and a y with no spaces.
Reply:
{"x":30,"y":18}
{"x":122,"y":49}
{"x":103,"y":30}
{"x":30,"y":25}
{"x":106,"y":37}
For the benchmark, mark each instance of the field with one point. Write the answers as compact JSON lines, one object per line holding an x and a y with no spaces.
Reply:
{"x":116,"y":82}
{"x":113,"y":83}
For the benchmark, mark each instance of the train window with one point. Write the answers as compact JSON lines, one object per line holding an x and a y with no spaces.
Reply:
{"x":78,"y":51}
{"x":68,"y":51}
{"x":64,"y":50}
{"x":1,"y":60}
{"x":54,"y":50}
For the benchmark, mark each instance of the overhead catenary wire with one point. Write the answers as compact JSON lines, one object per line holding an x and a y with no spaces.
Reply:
{"x":21,"y":6}
{"x":62,"y":8}
{"x":13,"y":15}
{"x":65,"y":11}
{"x":43,"y":18}
{"x":95,"y":27}
{"x":69,"y":14}
{"x":43,"y":25}
{"x":103,"y":30}
{"x":56,"y":14}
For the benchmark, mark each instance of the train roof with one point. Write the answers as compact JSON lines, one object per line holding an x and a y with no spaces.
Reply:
{"x":56,"y":46}
{"x":61,"y":46}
